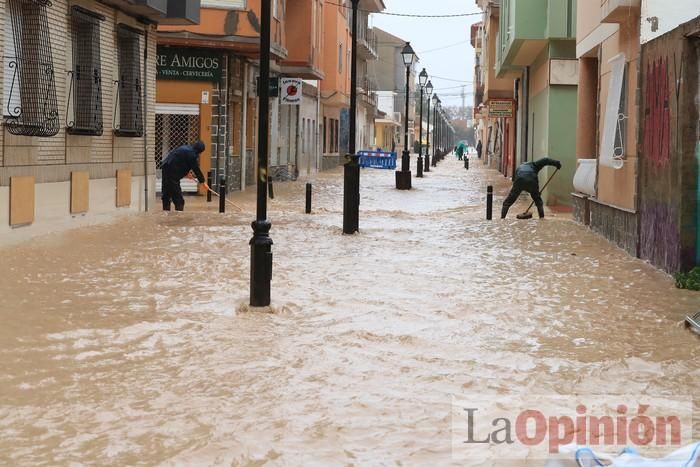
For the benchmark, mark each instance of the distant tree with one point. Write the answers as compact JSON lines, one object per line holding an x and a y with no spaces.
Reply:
{"x":456,"y":113}
{"x":464,"y":132}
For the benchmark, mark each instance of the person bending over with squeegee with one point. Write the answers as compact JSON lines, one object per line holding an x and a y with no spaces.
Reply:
{"x":178,"y":164}
{"x":526,"y":179}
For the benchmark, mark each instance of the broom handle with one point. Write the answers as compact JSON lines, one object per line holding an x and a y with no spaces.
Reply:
{"x":545,"y":186}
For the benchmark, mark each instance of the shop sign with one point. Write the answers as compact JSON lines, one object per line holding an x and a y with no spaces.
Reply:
{"x":500,"y":108}
{"x":188,"y":64}
{"x":273,"y":86}
{"x":291,"y":91}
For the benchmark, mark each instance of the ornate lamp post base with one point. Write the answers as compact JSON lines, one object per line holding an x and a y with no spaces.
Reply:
{"x":419,"y":173}
{"x":403,"y":180}
{"x":403,"y":176}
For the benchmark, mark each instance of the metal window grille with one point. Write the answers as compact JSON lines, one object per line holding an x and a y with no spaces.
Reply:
{"x":86,"y":76}
{"x":336,"y":148}
{"x":620,"y":131}
{"x":130,"y":107}
{"x":31,"y":105}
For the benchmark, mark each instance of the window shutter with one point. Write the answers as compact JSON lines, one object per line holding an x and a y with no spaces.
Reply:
{"x":86,"y":75}
{"x":129,"y":85}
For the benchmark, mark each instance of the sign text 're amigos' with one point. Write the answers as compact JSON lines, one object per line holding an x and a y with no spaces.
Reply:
{"x":178,"y":63}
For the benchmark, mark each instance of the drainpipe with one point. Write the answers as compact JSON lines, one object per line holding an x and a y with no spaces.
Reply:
{"x":298,"y":133}
{"x":526,"y":113}
{"x":695,"y":42}
{"x":244,"y":126}
{"x":516,"y":104}
{"x":319,"y":124}
{"x":145,"y":124}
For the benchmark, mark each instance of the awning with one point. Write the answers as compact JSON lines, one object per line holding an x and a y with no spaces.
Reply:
{"x":385,"y":121}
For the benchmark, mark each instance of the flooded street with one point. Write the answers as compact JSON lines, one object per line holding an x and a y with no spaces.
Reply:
{"x":132,"y":343}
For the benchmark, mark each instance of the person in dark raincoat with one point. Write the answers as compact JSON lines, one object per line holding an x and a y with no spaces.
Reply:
{"x":526,"y":179}
{"x":479,"y":147}
{"x":179,"y":163}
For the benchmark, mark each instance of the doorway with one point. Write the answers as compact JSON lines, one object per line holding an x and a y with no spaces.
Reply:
{"x":176,"y":124}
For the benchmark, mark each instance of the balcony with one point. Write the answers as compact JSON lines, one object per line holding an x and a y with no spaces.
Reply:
{"x":150,"y":7}
{"x":525,"y":29}
{"x":478,"y":92}
{"x":218,"y":28}
{"x":366,"y":40}
{"x":367,"y":91}
{"x":619,"y":11}
{"x":177,"y":12}
{"x":182,"y":12}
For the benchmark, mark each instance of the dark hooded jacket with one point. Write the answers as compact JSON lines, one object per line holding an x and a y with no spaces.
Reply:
{"x":526,"y":174}
{"x":182,"y":160}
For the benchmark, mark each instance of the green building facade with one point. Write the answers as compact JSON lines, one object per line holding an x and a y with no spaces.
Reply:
{"x":537,"y":48}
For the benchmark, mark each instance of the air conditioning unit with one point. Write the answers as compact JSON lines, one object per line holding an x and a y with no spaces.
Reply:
{"x":397,"y":117}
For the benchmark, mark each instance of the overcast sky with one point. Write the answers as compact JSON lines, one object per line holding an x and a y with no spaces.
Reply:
{"x":455,"y":58}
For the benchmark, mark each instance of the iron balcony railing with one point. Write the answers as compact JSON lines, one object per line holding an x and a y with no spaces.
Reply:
{"x":365,"y":35}
{"x":368,"y":91}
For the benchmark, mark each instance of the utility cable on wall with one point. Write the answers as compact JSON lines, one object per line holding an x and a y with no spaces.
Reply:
{"x":406,"y":15}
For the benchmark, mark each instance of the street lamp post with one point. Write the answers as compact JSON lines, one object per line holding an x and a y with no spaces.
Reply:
{"x":422,"y":81}
{"x":351,"y":169}
{"x":261,"y":243}
{"x":428,"y":93}
{"x":436,"y":103}
{"x":438,"y":139}
{"x":403,"y":177}
{"x":443,"y":134}
{"x":440,"y":131}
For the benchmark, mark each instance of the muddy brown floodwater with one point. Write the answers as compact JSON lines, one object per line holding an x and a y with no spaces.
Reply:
{"x":131,"y":343}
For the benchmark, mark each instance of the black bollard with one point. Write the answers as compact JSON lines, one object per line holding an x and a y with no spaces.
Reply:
{"x":222,"y":195}
{"x":270,"y":190}
{"x":308,"y":198}
{"x":209,"y":178}
{"x":489,"y":203}
{"x":351,"y":194}
{"x":466,"y":163}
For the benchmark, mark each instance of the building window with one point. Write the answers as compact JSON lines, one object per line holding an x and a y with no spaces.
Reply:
{"x":337,"y":132}
{"x":312,"y":139}
{"x":30,"y":106}
{"x":86,"y":76}
{"x":275,"y":9}
{"x":334,"y":133}
{"x":620,"y":131}
{"x":303,"y":136}
{"x":331,"y":149}
{"x":130,"y":120}
{"x":612,"y":143}
{"x":337,"y":136}
{"x":325,"y":132}
{"x":340,"y":58}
